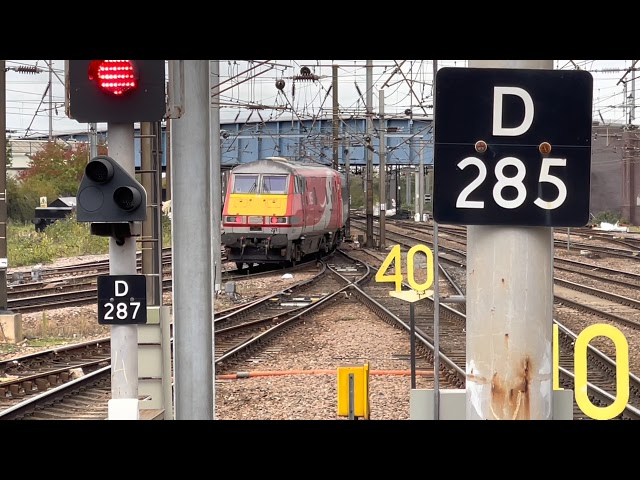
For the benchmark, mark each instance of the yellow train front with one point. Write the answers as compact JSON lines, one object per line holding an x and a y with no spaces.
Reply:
{"x":279,"y":211}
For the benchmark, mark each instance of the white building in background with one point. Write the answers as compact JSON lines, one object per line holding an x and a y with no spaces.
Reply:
{"x":21,"y":150}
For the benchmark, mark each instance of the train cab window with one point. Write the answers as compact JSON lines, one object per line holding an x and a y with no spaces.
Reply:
{"x":274,"y":184}
{"x":299,"y":185}
{"x":245,"y":183}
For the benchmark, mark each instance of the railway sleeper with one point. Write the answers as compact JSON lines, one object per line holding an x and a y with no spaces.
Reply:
{"x":16,"y":390}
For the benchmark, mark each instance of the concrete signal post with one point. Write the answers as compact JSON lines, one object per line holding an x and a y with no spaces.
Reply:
{"x":511,"y":170}
{"x":124,"y":403}
{"x":517,"y":320}
{"x":120,"y":93}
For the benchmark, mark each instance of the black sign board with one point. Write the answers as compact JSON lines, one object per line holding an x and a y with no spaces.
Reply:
{"x":122,"y":299}
{"x":512,"y":147}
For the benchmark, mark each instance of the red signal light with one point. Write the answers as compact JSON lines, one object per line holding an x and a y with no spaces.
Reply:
{"x":114,"y":76}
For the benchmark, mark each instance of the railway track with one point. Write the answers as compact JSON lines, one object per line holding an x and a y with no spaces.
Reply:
{"x":53,"y":384}
{"x":54,"y":371}
{"x":601,"y":368}
{"x":241,"y":332}
{"x":80,"y":288}
{"x":248,"y":330}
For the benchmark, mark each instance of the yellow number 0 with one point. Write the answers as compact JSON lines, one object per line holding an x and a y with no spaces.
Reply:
{"x":395,"y":257}
{"x":580,"y":370}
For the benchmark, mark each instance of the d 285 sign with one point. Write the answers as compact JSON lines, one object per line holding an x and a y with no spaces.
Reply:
{"x":512,"y":147}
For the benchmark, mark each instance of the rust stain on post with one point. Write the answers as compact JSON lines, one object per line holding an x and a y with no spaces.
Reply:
{"x":512,"y":401}
{"x":471,"y":377}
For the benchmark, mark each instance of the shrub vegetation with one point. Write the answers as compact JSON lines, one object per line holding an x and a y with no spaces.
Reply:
{"x":55,"y":171}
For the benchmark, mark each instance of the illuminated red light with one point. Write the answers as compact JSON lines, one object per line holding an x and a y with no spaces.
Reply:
{"x":274,"y":220}
{"x":114,"y":76}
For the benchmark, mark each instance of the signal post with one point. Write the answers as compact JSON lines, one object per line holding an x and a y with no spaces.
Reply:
{"x":512,"y":157}
{"x":124,"y":402}
{"x":119,"y":92}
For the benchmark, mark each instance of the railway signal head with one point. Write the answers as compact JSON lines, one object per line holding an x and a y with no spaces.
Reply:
{"x":110,"y":198}
{"x":117,"y":91}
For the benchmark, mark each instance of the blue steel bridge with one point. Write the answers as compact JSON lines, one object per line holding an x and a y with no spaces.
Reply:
{"x":408,"y":140}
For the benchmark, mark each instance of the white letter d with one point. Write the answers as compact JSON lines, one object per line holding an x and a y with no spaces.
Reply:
{"x":121,"y":283}
{"x":498,"y":129}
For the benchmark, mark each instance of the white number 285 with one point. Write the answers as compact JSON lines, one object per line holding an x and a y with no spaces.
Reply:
{"x":515,"y":182}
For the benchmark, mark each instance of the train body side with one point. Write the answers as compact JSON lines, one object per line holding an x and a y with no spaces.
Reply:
{"x":279,"y":211}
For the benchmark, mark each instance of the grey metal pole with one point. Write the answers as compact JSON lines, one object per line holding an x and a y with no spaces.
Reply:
{"x":632,"y":115}
{"x":191,"y":247}
{"x":418,"y":204}
{"x":51,"y":100}
{"x":383,"y":176}
{"x":509,"y":312}
{"x":216,"y":203}
{"x":436,"y":324}
{"x":408,"y":193}
{"x":167,"y":170}
{"x":625,"y":102}
{"x":3,"y":186}
{"x":396,"y":186}
{"x":412,"y":342}
{"x":436,"y":289}
{"x":420,"y":186}
{"x":629,"y":140}
{"x":369,"y":153}
{"x":216,"y":179}
{"x":124,"y":404}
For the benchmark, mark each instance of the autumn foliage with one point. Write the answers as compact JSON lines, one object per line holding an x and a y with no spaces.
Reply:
{"x":54,"y":171}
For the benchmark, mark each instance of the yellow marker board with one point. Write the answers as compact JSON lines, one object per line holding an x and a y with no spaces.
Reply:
{"x":411,"y":295}
{"x":360,"y":391}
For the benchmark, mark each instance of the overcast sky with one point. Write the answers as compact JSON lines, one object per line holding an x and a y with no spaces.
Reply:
{"x":29,"y":112}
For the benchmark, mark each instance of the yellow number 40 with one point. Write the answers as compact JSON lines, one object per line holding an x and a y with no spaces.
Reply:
{"x":396,"y":258}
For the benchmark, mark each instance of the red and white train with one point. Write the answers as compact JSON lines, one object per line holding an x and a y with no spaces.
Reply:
{"x":278,"y":211}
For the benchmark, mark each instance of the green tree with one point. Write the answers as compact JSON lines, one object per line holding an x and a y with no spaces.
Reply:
{"x":356,"y":190}
{"x":9,"y":153}
{"x":54,"y":171}
{"x":59,"y":165}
